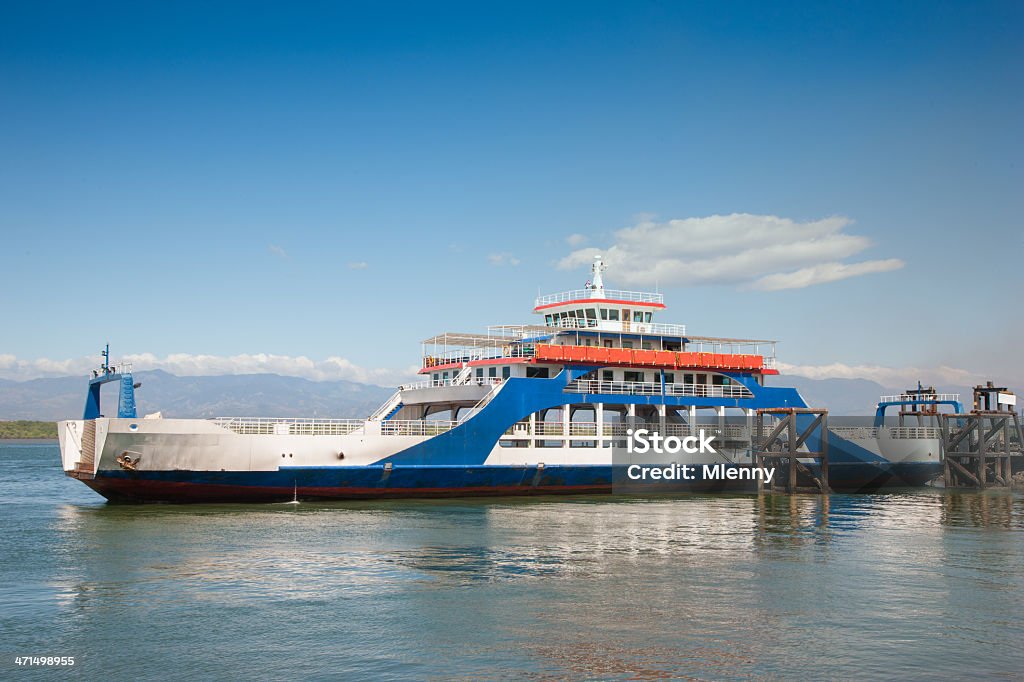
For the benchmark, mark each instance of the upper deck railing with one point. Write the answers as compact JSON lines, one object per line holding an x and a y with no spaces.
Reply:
{"x":656,"y":388}
{"x":442,"y":383}
{"x":463,"y":355}
{"x":621,"y":327}
{"x":611,"y":294}
{"x":113,"y":368}
{"x":919,"y":398}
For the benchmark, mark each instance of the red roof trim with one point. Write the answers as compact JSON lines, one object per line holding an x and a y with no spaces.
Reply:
{"x":625,"y":304}
{"x":474,"y":363}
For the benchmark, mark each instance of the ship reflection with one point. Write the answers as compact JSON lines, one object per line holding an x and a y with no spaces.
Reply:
{"x":643,"y":587}
{"x":320,"y":552}
{"x":989,"y":509}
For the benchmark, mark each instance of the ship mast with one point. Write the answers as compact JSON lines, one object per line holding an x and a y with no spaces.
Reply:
{"x":597,"y":282}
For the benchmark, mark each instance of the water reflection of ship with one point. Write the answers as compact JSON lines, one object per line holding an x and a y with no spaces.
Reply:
{"x":988,"y":509}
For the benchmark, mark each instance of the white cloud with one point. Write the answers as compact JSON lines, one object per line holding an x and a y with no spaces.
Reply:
{"x":500,"y":259}
{"x":358,"y":265}
{"x":825,"y":272}
{"x":576,"y":240}
{"x":890,"y":377}
{"x":760,"y":251}
{"x":277,"y":251}
{"x":184,"y":364}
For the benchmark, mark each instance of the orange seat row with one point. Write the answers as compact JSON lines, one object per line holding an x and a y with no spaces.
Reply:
{"x":650,"y":358}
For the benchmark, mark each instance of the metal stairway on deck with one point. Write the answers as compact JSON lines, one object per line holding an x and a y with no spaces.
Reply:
{"x":388,"y":409}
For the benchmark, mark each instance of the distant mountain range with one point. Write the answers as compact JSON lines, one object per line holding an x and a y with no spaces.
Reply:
{"x":253,"y":395}
{"x":272,"y":395}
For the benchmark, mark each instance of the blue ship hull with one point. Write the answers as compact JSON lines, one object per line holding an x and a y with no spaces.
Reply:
{"x":374,"y":482}
{"x":371,"y":482}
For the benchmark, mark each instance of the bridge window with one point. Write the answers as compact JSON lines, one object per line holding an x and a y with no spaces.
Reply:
{"x":647,"y":317}
{"x":548,"y":320}
{"x":638,"y":316}
{"x":506,"y":372}
{"x":604,"y":313}
{"x":492,"y":372}
{"x":613,"y":315}
{"x":591,"y":313}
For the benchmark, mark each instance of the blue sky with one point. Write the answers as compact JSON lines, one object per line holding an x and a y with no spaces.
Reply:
{"x":320,"y":181}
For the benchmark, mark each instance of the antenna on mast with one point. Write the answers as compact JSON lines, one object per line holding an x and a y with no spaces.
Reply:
{"x":597,"y":281}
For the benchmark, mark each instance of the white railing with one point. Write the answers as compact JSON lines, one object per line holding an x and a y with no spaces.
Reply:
{"x":429,"y":383}
{"x":727,"y":431}
{"x":615,"y":429}
{"x":654,"y":388}
{"x":416,"y":427}
{"x":582,"y":428}
{"x":855,"y":432}
{"x":612,"y":294}
{"x":549,"y":429}
{"x":461,"y":377}
{"x":906,"y":398}
{"x":618,"y":326}
{"x":482,"y":402}
{"x":284,"y":426}
{"x":703,"y":344}
{"x":895,"y":432}
{"x":385,"y":409}
{"x":915,"y":432}
{"x":485,"y":353}
{"x":590,"y":429}
{"x":112,"y":368}
{"x":659,"y":328}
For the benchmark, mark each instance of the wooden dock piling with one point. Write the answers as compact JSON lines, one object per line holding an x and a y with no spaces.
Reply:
{"x":979,"y":447}
{"x":781,"y":447}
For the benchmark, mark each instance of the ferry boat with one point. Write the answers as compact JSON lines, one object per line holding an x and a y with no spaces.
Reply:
{"x":519,"y":410}
{"x":888,"y":451}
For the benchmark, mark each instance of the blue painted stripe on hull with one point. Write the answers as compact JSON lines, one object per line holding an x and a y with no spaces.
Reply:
{"x":367,"y":482}
{"x":363,"y":483}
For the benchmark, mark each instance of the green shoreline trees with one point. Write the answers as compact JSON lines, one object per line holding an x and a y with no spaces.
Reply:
{"x":24,"y":428}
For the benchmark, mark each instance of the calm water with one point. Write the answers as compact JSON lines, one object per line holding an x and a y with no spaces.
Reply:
{"x":891,"y":586}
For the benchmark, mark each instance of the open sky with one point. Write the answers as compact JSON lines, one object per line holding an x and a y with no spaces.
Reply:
{"x":313,"y":188}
